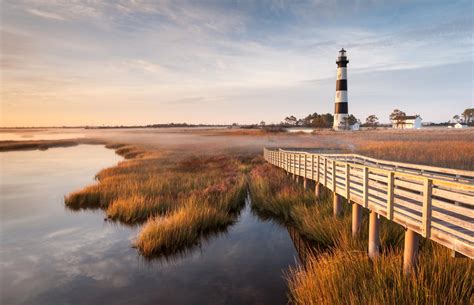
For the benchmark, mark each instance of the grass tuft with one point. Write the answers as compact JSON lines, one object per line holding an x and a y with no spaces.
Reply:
{"x":179,"y":197}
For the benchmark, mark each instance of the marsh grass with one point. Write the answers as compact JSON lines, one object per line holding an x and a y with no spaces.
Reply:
{"x":457,"y":154}
{"x":179,"y":197}
{"x":350,"y":277}
{"x":44,"y":144}
{"x":338,"y":271}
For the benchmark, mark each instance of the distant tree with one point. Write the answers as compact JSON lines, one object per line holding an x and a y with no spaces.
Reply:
{"x":468,"y":115}
{"x":396,"y":113}
{"x":322,"y":120}
{"x":352,"y":119}
{"x":372,"y":121}
{"x":456,"y":118}
{"x":291,"y":120}
{"x":262,"y":123}
{"x":396,"y":116}
{"x":300,"y":123}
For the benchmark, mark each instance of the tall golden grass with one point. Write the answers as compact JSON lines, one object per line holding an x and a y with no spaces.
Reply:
{"x":453,"y":154}
{"x":350,"y":277}
{"x":179,"y":196}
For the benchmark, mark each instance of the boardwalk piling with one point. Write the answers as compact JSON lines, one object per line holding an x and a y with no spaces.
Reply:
{"x":317,"y":189}
{"x":305,"y":183}
{"x":356,"y":218}
{"x":337,"y":204}
{"x":374,"y":238}
{"x":410,"y":252}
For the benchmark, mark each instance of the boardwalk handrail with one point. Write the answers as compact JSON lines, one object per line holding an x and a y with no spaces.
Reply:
{"x":417,"y":169}
{"x":436,"y":203}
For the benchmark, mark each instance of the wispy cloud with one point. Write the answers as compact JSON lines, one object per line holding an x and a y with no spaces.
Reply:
{"x":44,"y":14}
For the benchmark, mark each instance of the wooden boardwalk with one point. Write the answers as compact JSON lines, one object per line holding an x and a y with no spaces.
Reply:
{"x":436,"y":203}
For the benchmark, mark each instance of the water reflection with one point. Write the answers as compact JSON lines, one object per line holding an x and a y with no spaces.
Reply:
{"x":50,"y":255}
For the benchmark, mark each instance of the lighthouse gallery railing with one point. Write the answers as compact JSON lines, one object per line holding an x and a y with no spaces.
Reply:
{"x":437,"y":203}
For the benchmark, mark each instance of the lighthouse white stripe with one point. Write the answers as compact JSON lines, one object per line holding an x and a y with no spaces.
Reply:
{"x":339,"y":119}
{"x":341,"y":97}
{"x":341,"y":73}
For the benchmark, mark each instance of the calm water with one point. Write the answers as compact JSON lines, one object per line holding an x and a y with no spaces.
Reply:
{"x":50,"y":255}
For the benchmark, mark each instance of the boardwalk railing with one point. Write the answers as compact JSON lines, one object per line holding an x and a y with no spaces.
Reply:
{"x":436,"y":203}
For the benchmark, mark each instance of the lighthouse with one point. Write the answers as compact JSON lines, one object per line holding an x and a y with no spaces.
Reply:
{"x":341,"y":107}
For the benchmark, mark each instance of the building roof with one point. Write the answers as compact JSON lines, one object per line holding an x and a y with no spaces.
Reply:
{"x":406,"y":117}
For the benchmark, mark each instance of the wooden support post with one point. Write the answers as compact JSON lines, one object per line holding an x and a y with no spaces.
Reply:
{"x":410,"y":252}
{"x":374,"y":237}
{"x":337,"y":204}
{"x":334,"y":184}
{"x":305,"y":183}
{"x":356,"y":218}
{"x":317,"y":189}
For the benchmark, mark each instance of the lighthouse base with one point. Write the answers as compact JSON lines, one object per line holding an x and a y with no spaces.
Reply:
{"x":341,"y":122}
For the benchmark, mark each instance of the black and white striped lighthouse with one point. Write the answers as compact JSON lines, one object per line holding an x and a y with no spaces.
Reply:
{"x":341,"y":107}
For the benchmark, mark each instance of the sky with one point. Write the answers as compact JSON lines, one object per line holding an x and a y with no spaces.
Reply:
{"x":137,"y":62}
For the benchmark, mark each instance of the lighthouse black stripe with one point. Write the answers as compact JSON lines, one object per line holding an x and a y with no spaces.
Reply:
{"x":342,"y":63}
{"x":341,"y":108}
{"x":341,"y":85}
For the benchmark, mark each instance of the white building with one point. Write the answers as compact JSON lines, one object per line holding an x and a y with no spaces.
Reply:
{"x":355,"y":127}
{"x":459,"y":125}
{"x":407,"y":122}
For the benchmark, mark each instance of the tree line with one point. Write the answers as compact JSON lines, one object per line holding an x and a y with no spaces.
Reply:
{"x":326,"y":120}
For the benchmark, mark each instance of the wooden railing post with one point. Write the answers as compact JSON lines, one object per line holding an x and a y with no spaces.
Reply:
{"x":317,"y":169}
{"x":292,"y":165}
{"x":390,"y":196}
{"x":426,"y":217}
{"x":365,"y":187}
{"x":337,"y":199}
{"x":325,"y":172}
{"x":374,"y":237}
{"x":304,"y":178}
{"x":348,"y":183}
